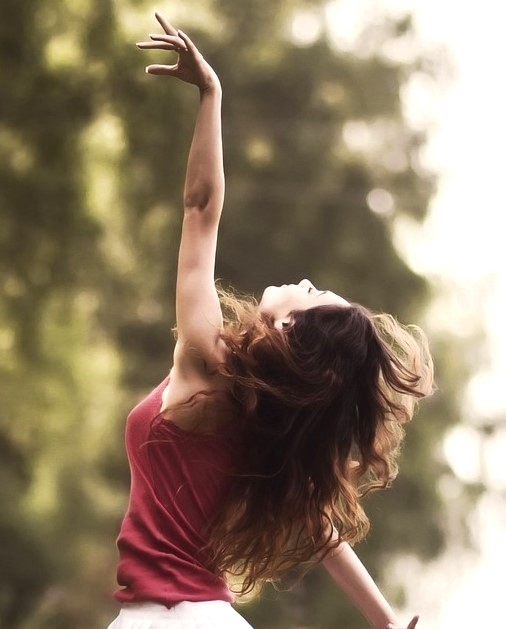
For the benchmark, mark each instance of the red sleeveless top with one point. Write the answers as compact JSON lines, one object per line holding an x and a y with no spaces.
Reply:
{"x":178,"y":481}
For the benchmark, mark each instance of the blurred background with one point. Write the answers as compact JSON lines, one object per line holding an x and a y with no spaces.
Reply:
{"x":363,"y":147}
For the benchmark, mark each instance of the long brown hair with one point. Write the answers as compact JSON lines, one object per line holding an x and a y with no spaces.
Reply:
{"x":321,"y":404}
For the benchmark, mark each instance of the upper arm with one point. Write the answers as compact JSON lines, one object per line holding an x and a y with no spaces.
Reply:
{"x":198,"y":311}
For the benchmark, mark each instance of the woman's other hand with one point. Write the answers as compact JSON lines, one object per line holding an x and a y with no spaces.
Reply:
{"x":411,"y":625}
{"x":191,"y":66}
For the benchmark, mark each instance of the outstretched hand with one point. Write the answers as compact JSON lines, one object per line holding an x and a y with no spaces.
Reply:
{"x":191,"y":66}
{"x":411,"y":625}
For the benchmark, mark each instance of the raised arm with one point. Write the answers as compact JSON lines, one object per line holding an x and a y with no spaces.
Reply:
{"x":352,"y":578}
{"x":198,"y":312}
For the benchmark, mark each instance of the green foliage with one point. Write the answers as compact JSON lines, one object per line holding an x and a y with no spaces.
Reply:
{"x":91,"y":169}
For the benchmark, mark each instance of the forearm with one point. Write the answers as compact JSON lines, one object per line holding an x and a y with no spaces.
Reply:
{"x":351,"y":576}
{"x":205,"y":181}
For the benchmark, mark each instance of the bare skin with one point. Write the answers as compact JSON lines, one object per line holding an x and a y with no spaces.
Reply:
{"x":198,"y":312}
{"x":279,"y":301}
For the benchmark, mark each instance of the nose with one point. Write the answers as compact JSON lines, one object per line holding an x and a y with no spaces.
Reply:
{"x":305,"y":284}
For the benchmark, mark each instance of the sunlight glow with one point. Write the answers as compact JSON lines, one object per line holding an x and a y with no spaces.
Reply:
{"x":461,"y":447}
{"x":381,"y":201}
{"x":306,"y":27}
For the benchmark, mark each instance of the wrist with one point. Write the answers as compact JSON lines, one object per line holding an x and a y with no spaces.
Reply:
{"x":210,"y":85}
{"x":211,"y":89}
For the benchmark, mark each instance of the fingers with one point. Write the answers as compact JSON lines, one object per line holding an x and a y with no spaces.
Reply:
{"x":164,"y":42}
{"x":161,"y":69}
{"x":170,"y":30}
{"x":170,"y":39}
{"x":412,"y":624}
{"x":150,"y":45}
{"x":188,"y":42}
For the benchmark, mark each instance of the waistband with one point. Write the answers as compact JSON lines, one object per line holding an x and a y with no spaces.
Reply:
{"x":149,"y":607}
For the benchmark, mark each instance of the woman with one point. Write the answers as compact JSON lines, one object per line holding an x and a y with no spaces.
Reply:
{"x":249,"y":460}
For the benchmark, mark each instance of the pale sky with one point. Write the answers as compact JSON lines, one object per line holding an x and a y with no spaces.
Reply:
{"x":462,"y":247}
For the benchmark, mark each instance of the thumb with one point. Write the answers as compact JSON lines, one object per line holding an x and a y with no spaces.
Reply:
{"x":161,"y":69}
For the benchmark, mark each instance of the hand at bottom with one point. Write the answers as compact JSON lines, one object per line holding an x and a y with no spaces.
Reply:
{"x":411,"y":625}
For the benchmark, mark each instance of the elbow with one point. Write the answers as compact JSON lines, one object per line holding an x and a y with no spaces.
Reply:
{"x":204,"y":204}
{"x":333,"y":553}
{"x":204,"y":193}
{"x":197,"y":200}
{"x":207,"y":211}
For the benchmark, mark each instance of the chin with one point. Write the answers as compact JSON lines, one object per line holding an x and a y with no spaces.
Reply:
{"x":268,"y":298}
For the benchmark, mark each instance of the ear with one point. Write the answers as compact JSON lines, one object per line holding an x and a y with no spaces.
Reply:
{"x":282,"y":324}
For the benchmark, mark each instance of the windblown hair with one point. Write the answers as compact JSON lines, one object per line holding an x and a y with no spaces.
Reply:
{"x":322,"y":404}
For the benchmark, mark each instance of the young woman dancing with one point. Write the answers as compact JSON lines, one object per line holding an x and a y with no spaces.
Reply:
{"x":250,"y":458}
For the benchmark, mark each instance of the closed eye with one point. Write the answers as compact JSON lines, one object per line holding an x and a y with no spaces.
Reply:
{"x":310,"y":289}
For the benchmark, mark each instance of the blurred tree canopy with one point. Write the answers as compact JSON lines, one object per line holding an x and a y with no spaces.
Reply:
{"x":320,"y":164}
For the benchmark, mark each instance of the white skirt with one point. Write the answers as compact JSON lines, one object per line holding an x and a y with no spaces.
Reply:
{"x":184,"y":615}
